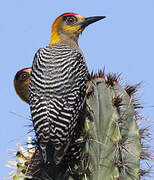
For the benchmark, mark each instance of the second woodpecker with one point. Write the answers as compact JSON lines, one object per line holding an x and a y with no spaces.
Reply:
{"x":58,"y":85}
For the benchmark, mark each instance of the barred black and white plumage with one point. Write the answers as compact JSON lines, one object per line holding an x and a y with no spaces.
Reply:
{"x":57,"y":92}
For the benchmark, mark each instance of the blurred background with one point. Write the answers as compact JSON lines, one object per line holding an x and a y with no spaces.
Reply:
{"x":123,"y":43}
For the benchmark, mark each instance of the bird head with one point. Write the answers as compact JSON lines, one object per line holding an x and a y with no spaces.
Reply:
{"x":67,"y":27}
{"x":21,"y":83}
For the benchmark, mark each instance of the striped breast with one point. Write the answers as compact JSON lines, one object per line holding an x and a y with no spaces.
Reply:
{"x":57,"y":91}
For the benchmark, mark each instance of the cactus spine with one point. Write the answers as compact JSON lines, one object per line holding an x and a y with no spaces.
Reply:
{"x":113,"y":146}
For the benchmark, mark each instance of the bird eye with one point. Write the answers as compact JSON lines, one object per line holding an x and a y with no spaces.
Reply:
{"x":71,"y":20}
{"x":23,"y":76}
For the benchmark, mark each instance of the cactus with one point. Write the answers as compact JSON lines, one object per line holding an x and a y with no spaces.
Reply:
{"x":21,"y":164}
{"x":115,"y":144}
{"x":113,"y":140}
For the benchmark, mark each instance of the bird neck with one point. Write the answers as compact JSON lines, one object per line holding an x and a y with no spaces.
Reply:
{"x":62,"y":38}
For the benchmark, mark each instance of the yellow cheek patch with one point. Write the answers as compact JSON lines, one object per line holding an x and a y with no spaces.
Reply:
{"x":55,"y":38}
{"x":80,"y":18}
{"x":25,"y":84}
{"x":73,"y":28}
{"x":70,"y":28}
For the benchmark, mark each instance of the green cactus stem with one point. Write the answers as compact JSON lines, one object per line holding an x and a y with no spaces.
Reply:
{"x":115,"y":144}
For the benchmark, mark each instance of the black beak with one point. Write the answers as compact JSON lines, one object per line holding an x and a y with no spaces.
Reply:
{"x":90,"y":20}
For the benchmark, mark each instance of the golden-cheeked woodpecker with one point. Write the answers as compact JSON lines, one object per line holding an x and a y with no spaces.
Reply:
{"x":58,"y":85}
{"x":21,"y":83}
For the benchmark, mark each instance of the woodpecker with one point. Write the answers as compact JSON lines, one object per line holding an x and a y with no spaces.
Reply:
{"x":58,"y":85}
{"x":21,"y":83}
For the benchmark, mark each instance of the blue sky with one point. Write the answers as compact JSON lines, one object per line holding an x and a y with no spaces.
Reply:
{"x":123,"y":43}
